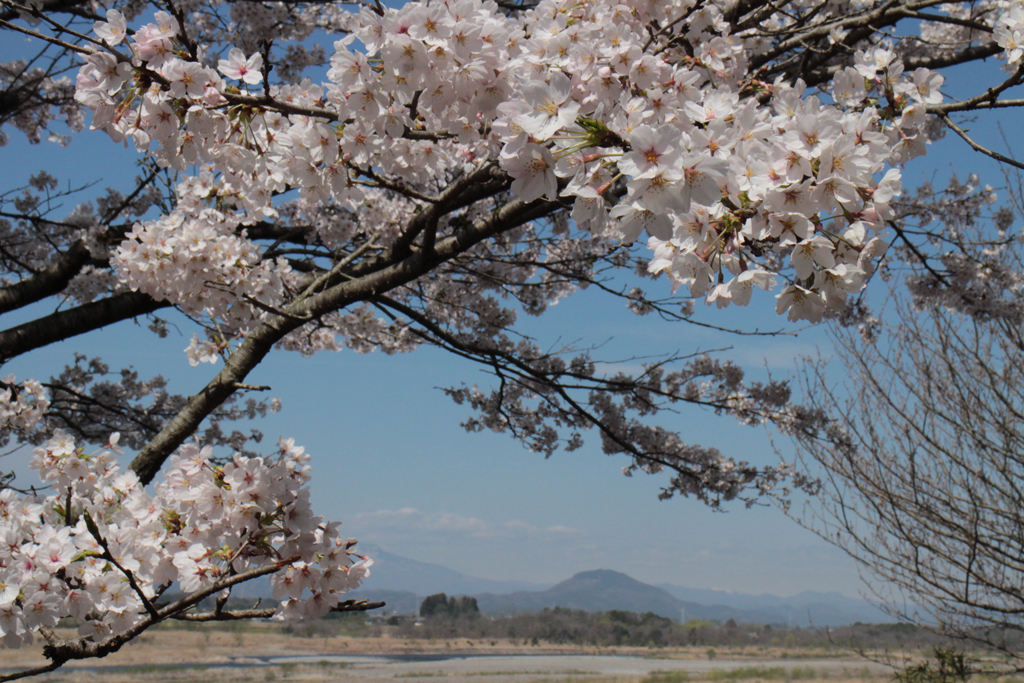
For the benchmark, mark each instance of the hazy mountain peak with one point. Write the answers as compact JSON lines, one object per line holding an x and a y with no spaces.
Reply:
{"x":609,"y":580}
{"x":602,"y":576}
{"x":601,"y":590}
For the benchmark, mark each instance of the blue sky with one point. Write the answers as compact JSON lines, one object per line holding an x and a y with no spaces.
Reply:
{"x":392,"y":462}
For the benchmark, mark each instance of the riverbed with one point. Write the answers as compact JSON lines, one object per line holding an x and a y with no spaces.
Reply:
{"x":217,"y":657}
{"x":487,"y":667}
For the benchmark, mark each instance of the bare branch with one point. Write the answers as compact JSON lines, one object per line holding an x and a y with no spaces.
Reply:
{"x":977,"y":147}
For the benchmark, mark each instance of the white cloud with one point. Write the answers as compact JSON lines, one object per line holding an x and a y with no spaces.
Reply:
{"x":412,"y":521}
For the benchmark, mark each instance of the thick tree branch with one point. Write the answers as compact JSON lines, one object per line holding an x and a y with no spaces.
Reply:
{"x":75,"y":321}
{"x":46,"y":282}
{"x":258,"y":343}
{"x":234,"y":615}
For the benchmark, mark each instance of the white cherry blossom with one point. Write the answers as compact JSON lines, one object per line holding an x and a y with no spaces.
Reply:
{"x":241,"y":68}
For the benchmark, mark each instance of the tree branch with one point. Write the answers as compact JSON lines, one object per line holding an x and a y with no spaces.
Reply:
{"x":260,"y":341}
{"x":75,"y":321}
{"x":977,"y":147}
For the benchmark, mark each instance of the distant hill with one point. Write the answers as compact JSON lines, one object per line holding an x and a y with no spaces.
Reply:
{"x":595,"y":591}
{"x":396,"y":573}
{"x":603,"y":590}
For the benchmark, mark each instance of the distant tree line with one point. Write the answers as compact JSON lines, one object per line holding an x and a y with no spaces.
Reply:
{"x":447,"y":618}
{"x":440,"y":605}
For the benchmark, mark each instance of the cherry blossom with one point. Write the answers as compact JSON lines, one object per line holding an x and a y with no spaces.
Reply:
{"x":674,"y":143}
{"x":240,"y":68}
{"x":458,"y":164}
{"x":101,"y":548}
{"x":113,"y":30}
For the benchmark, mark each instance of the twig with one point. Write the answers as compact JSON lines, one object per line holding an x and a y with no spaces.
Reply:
{"x":35,"y":12}
{"x":52,"y":666}
{"x":366,"y":246}
{"x":109,"y":557}
{"x":976,"y":147}
{"x":56,"y":41}
{"x":273,"y":309}
{"x":986,"y":100}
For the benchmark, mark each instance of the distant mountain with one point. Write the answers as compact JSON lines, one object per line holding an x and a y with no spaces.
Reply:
{"x":809,"y":607}
{"x":594,"y":591}
{"x":603,"y":590}
{"x":403,"y":583}
{"x":396,"y":573}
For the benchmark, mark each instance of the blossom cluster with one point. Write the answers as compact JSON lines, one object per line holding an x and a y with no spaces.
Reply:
{"x":735,"y":180}
{"x":30,"y":91}
{"x":21,"y":404}
{"x":101,"y":549}
{"x":200,"y":264}
{"x":1009,"y":33}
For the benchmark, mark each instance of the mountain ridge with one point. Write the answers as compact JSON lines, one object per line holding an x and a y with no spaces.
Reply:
{"x":394,"y":572}
{"x":407,"y":581}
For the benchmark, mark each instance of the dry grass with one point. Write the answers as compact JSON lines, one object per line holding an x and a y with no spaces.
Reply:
{"x":213,"y":646}
{"x":319,"y":673}
{"x":197,"y":656}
